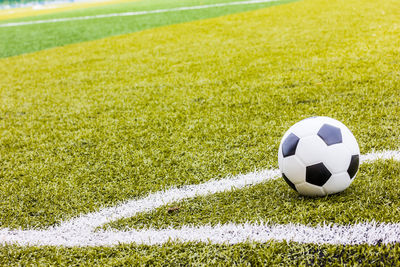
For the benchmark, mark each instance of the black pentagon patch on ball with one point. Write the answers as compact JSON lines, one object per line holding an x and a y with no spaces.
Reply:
{"x":289,"y":145}
{"x":353,"y":167}
{"x":317,"y":174}
{"x":330,"y":134}
{"x":289,"y":182}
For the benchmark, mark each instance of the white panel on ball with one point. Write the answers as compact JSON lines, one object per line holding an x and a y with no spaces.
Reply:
{"x":337,"y":158}
{"x":311,"y":150}
{"x":294,"y":169}
{"x":306,"y":127}
{"x":337,"y":183}
{"x":310,"y":190}
{"x":350,"y":141}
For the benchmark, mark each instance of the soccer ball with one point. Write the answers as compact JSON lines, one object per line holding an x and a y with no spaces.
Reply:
{"x":318,"y":156}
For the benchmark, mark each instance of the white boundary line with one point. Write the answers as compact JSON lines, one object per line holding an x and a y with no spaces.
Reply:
{"x":161,"y":198}
{"x":80,"y":231}
{"x":136,"y":13}
{"x":385,"y":155}
{"x":362,"y":233}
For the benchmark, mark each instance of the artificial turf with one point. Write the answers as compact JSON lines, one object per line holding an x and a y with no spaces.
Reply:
{"x":82,"y":130}
{"x":30,"y":38}
{"x":368,"y":199}
{"x":199,"y":254}
{"x":186,"y":103}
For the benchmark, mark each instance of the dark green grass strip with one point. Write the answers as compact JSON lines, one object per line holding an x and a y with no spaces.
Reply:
{"x":192,"y":254}
{"x":30,"y":38}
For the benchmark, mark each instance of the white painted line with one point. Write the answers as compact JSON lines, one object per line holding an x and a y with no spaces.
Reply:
{"x":136,"y":13}
{"x":80,"y":231}
{"x":362,"y":233}
{"x":385,"y":155}
{"x":152,"y":201}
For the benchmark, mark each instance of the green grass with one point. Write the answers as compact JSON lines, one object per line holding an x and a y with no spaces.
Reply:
{"x":30,"y":38}
{"x":117,"y":123}
{"x":368,"y":199}
{"x":93,"y":124}
{"x":176,"y":254}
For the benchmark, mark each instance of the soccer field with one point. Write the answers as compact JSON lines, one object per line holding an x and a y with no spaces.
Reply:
{"x":147,"y":132}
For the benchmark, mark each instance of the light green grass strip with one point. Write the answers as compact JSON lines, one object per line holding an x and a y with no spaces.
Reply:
{"x":21,"y":39}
